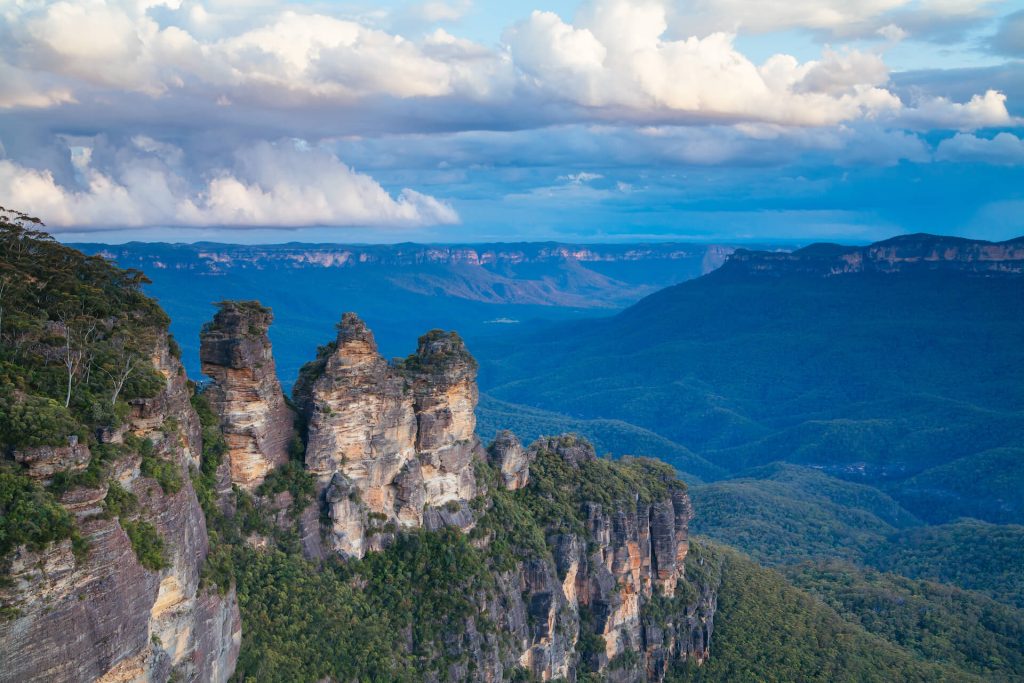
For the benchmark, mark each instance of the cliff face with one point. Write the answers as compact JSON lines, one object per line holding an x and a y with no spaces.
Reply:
{"x":606,"y":582}
{"x":393,"y":449}
{"x":392,"y":446}
{"x":907,"y":253}
{"x":245,"y":392}
{"x":105,"y":616}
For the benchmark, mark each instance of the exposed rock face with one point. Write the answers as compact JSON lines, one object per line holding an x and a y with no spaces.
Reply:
{"x":390,"y":444}
{"x":45,"y":461}
{"x":907,"y":253}
{"x":507,"y":454}
{"x":257,"y":423}
{"x":611,"y":589}
{"x":107,"y":617}
{"x":632,"y":553}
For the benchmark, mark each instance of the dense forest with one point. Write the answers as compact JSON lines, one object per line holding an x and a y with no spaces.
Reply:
{"x":809,"y":576}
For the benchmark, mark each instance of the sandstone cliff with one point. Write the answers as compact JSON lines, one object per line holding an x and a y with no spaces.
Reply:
{"x":392,"y":445}
{"x":245,"y":392}
{"x":906,"y":253}
{"x":104,"y":616}
{"x":617,"y":579}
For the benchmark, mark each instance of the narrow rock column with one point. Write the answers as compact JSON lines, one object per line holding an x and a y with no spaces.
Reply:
{"x":245,"y":392}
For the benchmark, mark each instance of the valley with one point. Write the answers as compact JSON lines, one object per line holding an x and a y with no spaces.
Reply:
{"x":820,"y":482}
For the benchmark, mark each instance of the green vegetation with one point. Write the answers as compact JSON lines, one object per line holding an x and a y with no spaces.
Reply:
{"x":874,"y":378}
{"x":383,"y":618}
{"x":934,"y":621}
{"x":30,"y":421}
{"x":28,"y":514}
{"x":76,"y":338}
{"x":781,"y":514}
{"x":293,"y":478}
{"x":607,"y":435}
{"x":970,"y":554}
{"x":119,"y":502}
{"x":986,"y":485}
{"x":766,"y":630}
{"x":558,"y":489}
{"x":778,"y":524}
{"x":214,"y":447}
{"x":147,"y":544}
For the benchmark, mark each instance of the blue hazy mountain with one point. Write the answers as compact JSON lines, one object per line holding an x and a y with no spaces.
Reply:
{"x":401,"y":290}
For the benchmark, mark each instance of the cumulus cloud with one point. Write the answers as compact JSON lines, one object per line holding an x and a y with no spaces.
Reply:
{"x":281,"y":184}
{"x":189,"y":91}
{"x":1004,"y":148}
{"x":981,"y":111}
{"x":284,"y":58}
{"x":616,"y":58}
{"x":892,"y":33}
{"x":23,"y":90}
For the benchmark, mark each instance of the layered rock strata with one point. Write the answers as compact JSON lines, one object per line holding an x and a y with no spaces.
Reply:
{"x":245,"y":392}
{"x":104,"y":616}
{"x":392,"y":444}
{"x":608,"y":598}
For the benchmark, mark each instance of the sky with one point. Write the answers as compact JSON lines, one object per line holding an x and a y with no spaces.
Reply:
{"x":482,"y":120}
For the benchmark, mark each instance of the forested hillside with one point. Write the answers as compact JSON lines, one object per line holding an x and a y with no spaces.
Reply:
{"x":903,"y":376}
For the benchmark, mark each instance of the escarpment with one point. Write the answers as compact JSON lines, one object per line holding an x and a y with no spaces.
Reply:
{"x":392,"y":444}
{"x":245,"y":392}
{"x":916,"y":253}
{"x":585,"y":558}
{"x":126,"y":604}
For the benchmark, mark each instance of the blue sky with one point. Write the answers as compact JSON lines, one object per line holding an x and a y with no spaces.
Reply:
{"x":463,"y":120}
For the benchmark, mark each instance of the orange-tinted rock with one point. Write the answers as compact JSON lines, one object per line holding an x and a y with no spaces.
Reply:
{"x":245,"y":392}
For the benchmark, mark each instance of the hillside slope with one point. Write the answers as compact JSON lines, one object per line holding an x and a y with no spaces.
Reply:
{"x":876,"y":374}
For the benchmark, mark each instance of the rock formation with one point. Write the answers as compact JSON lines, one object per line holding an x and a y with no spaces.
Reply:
{"x":392,"y":445}
{"x":596,"y":593}
{"x":245,"y":392}
{"x":630,"y":552}
{"x":507,"y":454}
{"x":104,"y":616}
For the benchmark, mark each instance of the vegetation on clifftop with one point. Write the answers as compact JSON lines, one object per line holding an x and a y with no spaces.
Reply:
{"x":77,"y":336}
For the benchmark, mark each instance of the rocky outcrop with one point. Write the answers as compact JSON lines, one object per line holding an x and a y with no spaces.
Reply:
{"x":43,"y":462}
{"x":906,"y":253}
{"x":631,"y":555}
{"x":511,"y":460}
{"x":245,"y":392}
{"x":104,"y":616}
{"x":392,"y":445}
{"x":610,"y":597}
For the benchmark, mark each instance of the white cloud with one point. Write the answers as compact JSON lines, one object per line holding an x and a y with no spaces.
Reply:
{"x":981,"y":111}
{"x":1004,"y":148}
{"x":616,"y":58}
{"x":580,"y":178}
{"x":892,"y":33}
{"x":280,"y":185}
{"x":282,"y":58}
{"x":442,"y":11}
{"x":632,"y":82}
{"x":22,"y":89}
